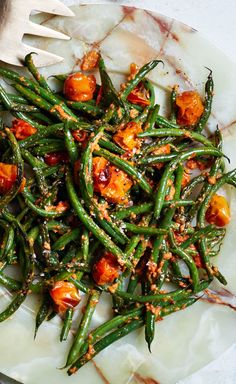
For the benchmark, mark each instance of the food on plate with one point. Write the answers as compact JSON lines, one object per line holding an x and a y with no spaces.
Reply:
{"x":101,"y":193}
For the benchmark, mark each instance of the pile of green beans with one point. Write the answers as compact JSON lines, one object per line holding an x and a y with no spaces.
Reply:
{"x":144,"y":234}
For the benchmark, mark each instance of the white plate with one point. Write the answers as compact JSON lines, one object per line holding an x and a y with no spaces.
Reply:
{"x":186,"y":341}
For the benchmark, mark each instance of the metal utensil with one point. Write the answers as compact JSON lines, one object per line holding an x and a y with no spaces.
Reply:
{"x":7,"y":380}
{"x":14,"y":23}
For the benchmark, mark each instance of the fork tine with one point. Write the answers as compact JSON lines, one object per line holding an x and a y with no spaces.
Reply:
{"x":43,"y":58}
{"x":36,"y":29}
{"x":51,"y":6}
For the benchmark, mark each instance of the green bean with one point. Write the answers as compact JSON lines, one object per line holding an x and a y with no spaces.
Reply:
{"x":197,"y":235}
{"x":173,"y":112}
{"x":21,"y":108}
{"x":126,"y":167}
{"x":34,"y":71}
{"x":131,"y":84}
{"x":157,"y":246}
{"x":8,"y":104}
{"x":48,"y":96}
{"x":93,"y":110}
{"x":4,"y":240}
{"x":38,"y":171}
{"x":83,"y":327}
{"x":143,"y":230}
{"x":157,"y":159}
{"x":9,"y":196}
{"x":41,"y":118}
{"x":42,"y":133}
{"x":151,"y":119}
{"x":85,"y":244}
{"x":230,"y":178}
{"x":103,"y":343}
{"x":209,"y":92}
{"x":38,"y":101}
{"x":9,"y":282}
{"x":29,"y":272}
{"x":42,"y":313}
{"x":79,"y":285}
{"x":158,"y":298}
{"x":105,"y":143}
{"x":70,"y":144}
{"x":65,"y":239}
{"x":147,"y":207}
{"x":66,"y":324}
{"x":151,"y":91}
{"x":86,"y":186}
{"x":109,"y":325}
{"x":49,"y":256}
{"x":186,"y":133}
{"x":160,"y":196}
{"x":90,"y":224}
{"x":109,"y":91}
{"x":187,"y":259}
{"x":40,"y":211}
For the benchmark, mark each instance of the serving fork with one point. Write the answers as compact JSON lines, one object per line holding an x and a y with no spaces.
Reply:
{"x":15,"y":23}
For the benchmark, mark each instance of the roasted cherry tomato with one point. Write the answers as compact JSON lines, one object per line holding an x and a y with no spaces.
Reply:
{"x":189,"y":108}
{"x":140,"y":96}
{"x":109,"y":181}
{"x":198,"y":261}
{"x":55,"y":158}
{"x":79,"y":87}
{"x":133,"y":70}
{"x":163,"y":150}
{"x":90,"y":60}
{"x":198,"y":164}
{"x":106,"y":269}
{"x":22,"y":129}
{"x":127,"y":137}
{"x":8,"y":174}
{"x":80,"y":136}
{"x":64,"y":295}
{"x":218,"y":212}
{"x":101,"y":173}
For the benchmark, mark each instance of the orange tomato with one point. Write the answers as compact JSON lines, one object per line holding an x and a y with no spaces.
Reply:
{"x":139,"y":96}
{"x":218,"y":212}
{"x":8,"y":175}
{"x":101,"y":173}
{"x":80,"y":136}
{"x":106,"y":269}
{"x":64,"y":296}
{"x":127,"y":137}
{"x":55,"y":158}
{"x":133,"y":70}
{"x":189,"y":108}
{"x":22,"y":129}
{"x":79,"y":87}
{"x":90,"y":60}
{"x":200,"y":164}
{"x":109,"y":181}
{"x":198,"y":261}
{"x":163,"y":150}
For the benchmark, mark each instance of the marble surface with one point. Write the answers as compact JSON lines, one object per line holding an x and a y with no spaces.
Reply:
{"x":202,"y":338}
{"x":215,"y":19}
